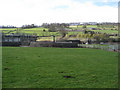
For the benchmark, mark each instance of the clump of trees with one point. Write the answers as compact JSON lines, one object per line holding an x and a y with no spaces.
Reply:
{"x":106,"y":25}
{"x":54,"y":27}
{"x":57,"y":27}
{"x":84,"y":26}
{"x":8,"y":26}
{"x":28,"y":26}
{"x":97,"y":37}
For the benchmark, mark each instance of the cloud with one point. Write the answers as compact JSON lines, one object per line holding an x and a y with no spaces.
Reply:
{"x":61,"y":7}
{"x":19,"y":12}
{"x":97,"y":0}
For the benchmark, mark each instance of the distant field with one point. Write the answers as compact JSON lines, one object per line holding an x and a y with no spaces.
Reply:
{"x":7,"y":28}
{"x":37,"y":67}
{"x":37,"y":29}
{"x":95,"y":26}
{"x":87,"y":25}
{"x":106,"y":31}
{"x":40,"y":31}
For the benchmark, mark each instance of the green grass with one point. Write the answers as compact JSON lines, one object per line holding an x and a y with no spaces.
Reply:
{"x":106,"y":31}
{"x":94,"y":26}
{"x":40,"y":28}
{"x":7,"y":28}
{"x":38,"y":67}
{"x":80,"y":26}
{"x":74,"y":33}
{"x":40,"y":32}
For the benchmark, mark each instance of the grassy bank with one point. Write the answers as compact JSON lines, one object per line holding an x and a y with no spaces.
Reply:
{"x":37,"y":67}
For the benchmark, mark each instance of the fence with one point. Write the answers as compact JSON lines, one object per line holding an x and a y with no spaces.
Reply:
{"x":103,"y":47}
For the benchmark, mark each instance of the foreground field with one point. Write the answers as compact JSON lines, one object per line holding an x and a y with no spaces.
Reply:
{"x":36,"y":67}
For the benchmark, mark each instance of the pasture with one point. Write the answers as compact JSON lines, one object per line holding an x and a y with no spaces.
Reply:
{"x":39,"y":67}
{"x":73,"y":32}
{"x":40,"y":31}
{"x":107,"y":31}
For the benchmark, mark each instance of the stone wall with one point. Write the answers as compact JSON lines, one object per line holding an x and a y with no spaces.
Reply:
{"x":53,"y":44}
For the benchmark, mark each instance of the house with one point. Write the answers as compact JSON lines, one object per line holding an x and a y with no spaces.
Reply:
{"x":17,"y":40}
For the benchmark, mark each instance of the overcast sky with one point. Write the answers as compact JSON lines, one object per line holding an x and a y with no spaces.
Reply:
{"x":20,"y":12}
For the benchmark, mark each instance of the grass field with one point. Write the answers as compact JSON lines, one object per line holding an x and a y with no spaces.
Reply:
{"x":7,"y":29}
{"x":107,"y":31}
{"x":38,"y":67}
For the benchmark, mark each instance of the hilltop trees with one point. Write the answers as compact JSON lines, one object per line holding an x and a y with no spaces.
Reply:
{"x":56,"y":27}
{"x":29,"y":26}
{"x":8,"y":26}
{"x":84,"y":26}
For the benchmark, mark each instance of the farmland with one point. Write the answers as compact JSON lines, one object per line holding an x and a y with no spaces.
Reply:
{"x":73,"y":32}
{"x":106,"y":31}
{"x":40,"y":31}
{"x":38,"y":67}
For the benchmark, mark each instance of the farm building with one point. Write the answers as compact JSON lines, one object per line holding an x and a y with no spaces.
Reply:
{"x":17,"y":40}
